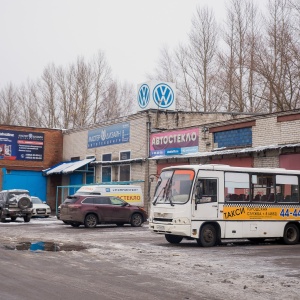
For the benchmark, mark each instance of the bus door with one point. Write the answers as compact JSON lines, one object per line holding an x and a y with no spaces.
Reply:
{"x":205,"y":204}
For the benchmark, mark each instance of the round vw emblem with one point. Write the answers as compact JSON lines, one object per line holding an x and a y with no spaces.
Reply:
{"x":163,"y":95}
{"x":144,"y":95}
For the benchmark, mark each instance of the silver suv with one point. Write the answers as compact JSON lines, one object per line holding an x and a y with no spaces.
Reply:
{"x":15,"y":203}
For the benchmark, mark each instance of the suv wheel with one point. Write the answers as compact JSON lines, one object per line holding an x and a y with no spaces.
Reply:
{"x":27,"y":218}
{"x":136,"y":220}
{"x":90,"y":221}
{"x":2,"y":217}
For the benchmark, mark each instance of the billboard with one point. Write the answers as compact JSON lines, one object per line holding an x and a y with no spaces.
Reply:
{"x":174,"y":142}
{"x":109,"y":135}
{"x":21,"y":145}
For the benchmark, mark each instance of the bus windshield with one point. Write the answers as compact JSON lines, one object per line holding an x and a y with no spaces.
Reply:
{"x":174,"y":187}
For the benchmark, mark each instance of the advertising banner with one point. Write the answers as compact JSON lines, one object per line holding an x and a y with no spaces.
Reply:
{"x":263,"y":212}
{"x":174,"y":142}
{"x":21,"y":145}
{"x":110,"y":135}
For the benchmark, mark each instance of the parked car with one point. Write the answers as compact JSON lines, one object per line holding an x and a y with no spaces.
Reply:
{"x":90,"y":210}
{"x":15,"y":203}
{"x":40,"y":208}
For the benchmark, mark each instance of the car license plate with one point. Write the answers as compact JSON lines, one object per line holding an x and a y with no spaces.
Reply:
{"x":39,"y":211}
{"x":160,"y":227}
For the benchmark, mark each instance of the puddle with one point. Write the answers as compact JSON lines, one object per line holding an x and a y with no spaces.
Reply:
{"x":44,"y":246}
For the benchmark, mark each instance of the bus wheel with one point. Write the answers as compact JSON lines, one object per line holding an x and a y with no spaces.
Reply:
{"x":291,"y":234}
{"x":208,"y":236}
{"x":173,"y":239}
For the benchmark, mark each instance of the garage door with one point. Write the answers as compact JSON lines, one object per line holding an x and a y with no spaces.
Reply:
{"x":33,"y":181}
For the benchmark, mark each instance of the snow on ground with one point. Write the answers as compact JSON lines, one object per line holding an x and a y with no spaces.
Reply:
{"x":231,"y":271}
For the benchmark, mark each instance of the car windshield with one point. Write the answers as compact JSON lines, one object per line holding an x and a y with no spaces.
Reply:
{"x":36,"y":200}
{"x":174,"y":186}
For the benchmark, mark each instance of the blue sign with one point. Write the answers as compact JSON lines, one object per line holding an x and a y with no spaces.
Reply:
{"x":21,"y":145}
{"x":110,"y":135}
{"x":144,"y":95}
{"x":163,"y":95}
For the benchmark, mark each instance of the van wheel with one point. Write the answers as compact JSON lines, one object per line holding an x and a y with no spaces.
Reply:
{"x":291,"y":234}
{"x":90,"y":221}
{"x":208,"y":236}
{"x":136,"y":220}
{"x":173,"y":239}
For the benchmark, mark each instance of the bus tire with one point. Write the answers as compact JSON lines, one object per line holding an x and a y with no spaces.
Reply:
{"x":173,"y":239}
{"x":291,"y":234}
{"x":208,"y":236}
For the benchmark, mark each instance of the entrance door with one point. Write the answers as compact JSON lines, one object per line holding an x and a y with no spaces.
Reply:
{"x":207,"y":195}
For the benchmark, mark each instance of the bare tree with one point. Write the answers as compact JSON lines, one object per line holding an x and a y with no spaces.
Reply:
{"x":240,"y":81}
{"x":28,"y":96}
{"x":10,"y":108}
{"x":47,"y":99}
{"x":275,"y":60}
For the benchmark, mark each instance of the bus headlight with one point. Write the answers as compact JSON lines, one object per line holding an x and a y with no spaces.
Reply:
{"x":181,"y":221}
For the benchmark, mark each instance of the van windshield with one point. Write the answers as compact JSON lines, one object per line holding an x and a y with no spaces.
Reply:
{"x":174,"y":186}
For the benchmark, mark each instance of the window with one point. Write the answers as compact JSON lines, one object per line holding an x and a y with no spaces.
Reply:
{"x":287,"y":188}
{"x":75,"y":158}
{"x":88,"y":201}
{"x":102,"y":200}
{"x":116,"y":201}
{"x":124,"y":170}
{"x":236,"y":187}
{"x":241,"y":137}
{"x":106,"y":157}
{"x":208,"y":190}
{"x":124,"y":173}
{"x":262,"y":188}
{"x":124,"y":155}
{"x":106,"y":174}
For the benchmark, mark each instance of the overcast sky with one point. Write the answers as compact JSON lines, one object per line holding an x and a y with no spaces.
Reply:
{"x":35,"y":33}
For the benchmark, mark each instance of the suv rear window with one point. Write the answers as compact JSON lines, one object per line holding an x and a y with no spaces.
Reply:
{"x":71,"y":199}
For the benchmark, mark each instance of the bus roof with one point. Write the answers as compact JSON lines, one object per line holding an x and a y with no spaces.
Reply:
{"x":220,"y":167}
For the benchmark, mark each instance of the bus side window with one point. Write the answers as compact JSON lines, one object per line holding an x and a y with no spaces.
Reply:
{"x":206,"y":190}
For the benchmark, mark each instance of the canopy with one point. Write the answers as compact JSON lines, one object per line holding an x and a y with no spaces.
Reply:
{"x":67,"y":167}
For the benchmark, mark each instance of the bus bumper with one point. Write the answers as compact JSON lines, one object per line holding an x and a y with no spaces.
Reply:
{"x":183,"y":230}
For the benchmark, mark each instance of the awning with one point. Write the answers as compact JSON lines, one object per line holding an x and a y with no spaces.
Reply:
{"x":67,"y":167}
{"x":223,"y":151}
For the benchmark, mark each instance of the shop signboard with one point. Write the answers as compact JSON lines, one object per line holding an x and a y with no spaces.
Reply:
{"x":174,"y":142}
{"x":109,"y":135}
{"x":21,"y":145}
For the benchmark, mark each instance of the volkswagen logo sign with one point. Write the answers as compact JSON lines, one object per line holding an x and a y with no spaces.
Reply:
{"x":144,"y":95}
{"x":163,"y":95}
